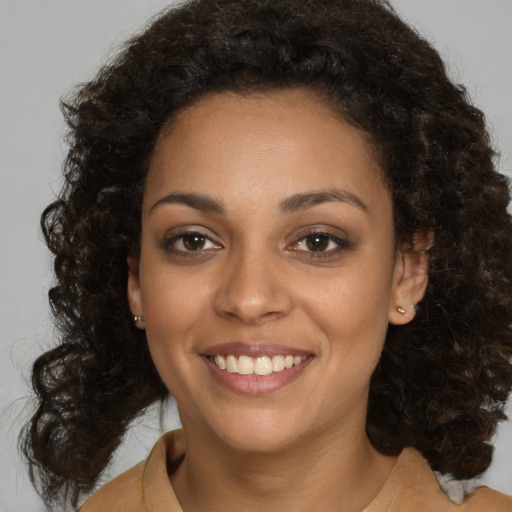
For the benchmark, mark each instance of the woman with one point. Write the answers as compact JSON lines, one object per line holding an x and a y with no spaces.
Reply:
{"x":284,"y":215}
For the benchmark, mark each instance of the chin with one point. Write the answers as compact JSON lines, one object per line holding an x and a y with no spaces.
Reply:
{"x":259,"y":432}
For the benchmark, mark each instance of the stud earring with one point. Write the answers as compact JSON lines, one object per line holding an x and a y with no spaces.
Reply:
{"x":138,"y":318}
{"x":401,"y":310}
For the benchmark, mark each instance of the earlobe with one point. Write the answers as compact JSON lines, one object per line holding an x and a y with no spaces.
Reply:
{"x":133,"y":292}
{"x":410,"y":280}
{"x":402,"y":314}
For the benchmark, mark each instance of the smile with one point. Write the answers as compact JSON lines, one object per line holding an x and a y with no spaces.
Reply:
{"x":261,"y":365}
{"x":257,"y":368}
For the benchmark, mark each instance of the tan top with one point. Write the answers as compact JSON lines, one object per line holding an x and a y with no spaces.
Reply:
{"x":411,"y":487}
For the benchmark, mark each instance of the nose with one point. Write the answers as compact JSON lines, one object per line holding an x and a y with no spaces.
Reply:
{"x":252,"y":289}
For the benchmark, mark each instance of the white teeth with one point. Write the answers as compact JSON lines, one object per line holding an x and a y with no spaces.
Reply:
{"x":231,"y":364}
{"x":245,"y":365}
{"x":220,"y":362}
{"x":262,"y":365}
{"x":277,"y":363}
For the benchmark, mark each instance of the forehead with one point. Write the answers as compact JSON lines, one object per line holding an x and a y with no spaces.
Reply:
{"x":272,"y":144}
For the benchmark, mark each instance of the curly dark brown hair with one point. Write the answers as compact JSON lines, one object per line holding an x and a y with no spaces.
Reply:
{"x":442,"y":380}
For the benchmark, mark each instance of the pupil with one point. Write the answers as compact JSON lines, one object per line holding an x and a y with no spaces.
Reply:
{"x":193,"y":242}
{"x":317,"y":242}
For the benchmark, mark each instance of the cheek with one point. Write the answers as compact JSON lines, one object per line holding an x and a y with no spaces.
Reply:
{"x":170,"y":296}
{"x":353,"y":298}
{"x":172,"y":317}
{"x":174,"y":308}
{"x":352,"y":311}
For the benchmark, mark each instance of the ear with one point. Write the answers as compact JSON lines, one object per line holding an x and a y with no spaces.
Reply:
{"x":410,"y":278}
{"x":133,"y":292}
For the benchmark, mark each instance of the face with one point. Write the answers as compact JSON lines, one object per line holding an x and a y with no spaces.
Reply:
{"x":268,"y":271}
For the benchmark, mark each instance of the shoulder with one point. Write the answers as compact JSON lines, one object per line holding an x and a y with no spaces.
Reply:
{"x":123,"y":493}
{"x":412,"y":486}
{"x":146,"y":486}
{"x":484,"y":499}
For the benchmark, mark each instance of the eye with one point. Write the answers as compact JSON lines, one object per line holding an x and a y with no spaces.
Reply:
{"x":317,"y":243}
{"x":320,"y":244}
{"x":190,"y":242}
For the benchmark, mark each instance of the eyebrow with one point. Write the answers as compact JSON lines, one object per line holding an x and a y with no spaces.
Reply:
{"x":294,"y":203}
{"x":307,"y":200}
{"x":197,"y":201}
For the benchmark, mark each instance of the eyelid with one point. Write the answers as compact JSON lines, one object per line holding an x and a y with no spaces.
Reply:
{"x":175,"y":234}
{"x":338,"y":237}
{"x":184,"y":235}
{"x":342,"y":243}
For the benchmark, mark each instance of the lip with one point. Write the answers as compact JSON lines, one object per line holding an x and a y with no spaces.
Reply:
{"x":254,"y":349}
{"x":256,"y":385}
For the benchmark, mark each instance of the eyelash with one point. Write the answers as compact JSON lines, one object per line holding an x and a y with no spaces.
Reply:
{"x":341,"y":245}
{"x":168,"y":244}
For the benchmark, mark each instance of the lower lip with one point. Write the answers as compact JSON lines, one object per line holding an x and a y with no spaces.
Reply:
{"x":257,"y":384}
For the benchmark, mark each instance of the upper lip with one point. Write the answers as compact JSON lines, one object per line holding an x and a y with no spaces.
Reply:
{"x":253,"y":349}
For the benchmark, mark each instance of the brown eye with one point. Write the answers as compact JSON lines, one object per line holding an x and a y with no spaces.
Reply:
{"x":190,"y":242}
{"x":317,"y":242}
{"x":194,"y":242}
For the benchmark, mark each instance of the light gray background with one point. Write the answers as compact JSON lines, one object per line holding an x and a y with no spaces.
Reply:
{"x":46,"y":46}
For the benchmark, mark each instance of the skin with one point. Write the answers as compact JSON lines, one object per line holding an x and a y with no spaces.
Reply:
{"x":255,"y":279}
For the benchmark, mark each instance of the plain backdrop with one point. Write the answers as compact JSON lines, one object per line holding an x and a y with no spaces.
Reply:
{"x":47,"y":46}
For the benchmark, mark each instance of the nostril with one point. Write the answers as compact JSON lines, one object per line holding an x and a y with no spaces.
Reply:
{"x":250,"y":289}
{"x":254,"y":308}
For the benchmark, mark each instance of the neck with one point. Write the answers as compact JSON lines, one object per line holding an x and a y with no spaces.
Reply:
{"x":328,"y":473}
